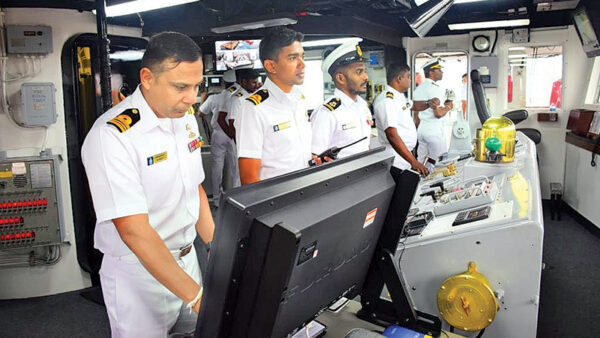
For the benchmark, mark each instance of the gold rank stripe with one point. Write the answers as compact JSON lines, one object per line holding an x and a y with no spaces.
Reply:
{"x":282,"y":126}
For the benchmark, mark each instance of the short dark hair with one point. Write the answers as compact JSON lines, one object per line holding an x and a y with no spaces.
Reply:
{"x":275,"y":40}
{"x":246,"y":74}
{"x":169,"y":45}
{"x":395,"y":69}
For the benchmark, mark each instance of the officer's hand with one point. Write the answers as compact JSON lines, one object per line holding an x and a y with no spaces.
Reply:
{"x":434,"y":103}
{"x":196,"y":308}
{"x":316,"y":159}
{"x":328,"y":159}
{"x":420,"y":168}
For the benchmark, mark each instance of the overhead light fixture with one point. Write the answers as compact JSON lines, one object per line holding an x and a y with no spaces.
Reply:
{"x":420,"y":2}
{"x":261,"y":23}
{"x":422,"y":19}
{"x":488,"y":24}
{"x":328,"y":42}
{"x":516,"y":48}
{"x":513,"y":56}
{"x":518,"y":64}
{"x":137,"y":6}
{"x":464,"y":1}
{"x":127,"y":55}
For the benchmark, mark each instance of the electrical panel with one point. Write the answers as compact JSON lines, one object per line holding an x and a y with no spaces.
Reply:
{"x":29,"y":39}
{"x":488,"y":69}
{"x":38,"y":104}
{"x":30,"y":203}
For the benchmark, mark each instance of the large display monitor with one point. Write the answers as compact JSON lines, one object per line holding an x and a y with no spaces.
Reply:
{"x":586,"y":32}
{"x":233,"y":54}
{"x":288,"y":247}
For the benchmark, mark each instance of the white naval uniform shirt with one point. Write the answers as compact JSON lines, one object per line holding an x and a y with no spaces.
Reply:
{"x":235,"y":111}
{"x":426,"y":91}
{"x":153,"y":167}
{"x":392,"y":110}
{"x":276,"y":130}
{"x":219,"y":104}
{"x":211,"y":105}
{"x":341,"y":121}
{"x":235,"y":96}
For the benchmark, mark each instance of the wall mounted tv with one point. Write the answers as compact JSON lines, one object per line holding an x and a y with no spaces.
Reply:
{"x":232,"y":54}
{"x":587,"y":32}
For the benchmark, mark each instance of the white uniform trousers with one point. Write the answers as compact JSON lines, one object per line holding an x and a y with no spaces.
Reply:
{"x":223,"y":149}
{"x":138,"y":305}
{"x":432,"y":140}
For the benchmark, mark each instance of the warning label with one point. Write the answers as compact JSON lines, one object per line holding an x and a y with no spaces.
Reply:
{"x":370,"y":218}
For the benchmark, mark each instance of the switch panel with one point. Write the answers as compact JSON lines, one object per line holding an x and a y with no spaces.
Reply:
{"x":30,"y":204}
{"x":29,"y":39}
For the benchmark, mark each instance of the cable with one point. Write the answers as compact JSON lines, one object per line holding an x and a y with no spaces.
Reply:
{"x":11,"y":260}
{"x":480,"y":333}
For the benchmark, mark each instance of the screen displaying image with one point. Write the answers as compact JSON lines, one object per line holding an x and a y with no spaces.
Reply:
{"x":233,"y":54}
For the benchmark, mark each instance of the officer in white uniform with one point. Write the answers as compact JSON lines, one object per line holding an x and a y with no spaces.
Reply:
{"x":431,"y":116}
{"x":345,"y":117}
{"x":274,"y":133}
{"x":222,"y":148}
{"x":248,"y":81}
{"x":144,"y":168}
{"x":395,"y":127}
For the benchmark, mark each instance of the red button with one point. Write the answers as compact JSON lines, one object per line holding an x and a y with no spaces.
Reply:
{"x":33,"y":234}
{"x":11,"y":220}
{"x":2,"y":237}
{"x":29,"y":203}
{"x":4,"y":205}
{"x":18,"y":236}
{"x":19,"y":204}
{"x":35,"y":202}
{"x":45,"y":202}
{"x":21,"y":220}
{"x":1,"y":221}
{"x":28,"y":234}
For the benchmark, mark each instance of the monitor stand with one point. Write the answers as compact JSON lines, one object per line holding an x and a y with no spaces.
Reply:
{"x":385,"y":270}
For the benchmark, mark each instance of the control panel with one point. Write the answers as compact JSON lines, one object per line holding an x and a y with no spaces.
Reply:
{"x":29,"y":202}
{"x":469,"y":194}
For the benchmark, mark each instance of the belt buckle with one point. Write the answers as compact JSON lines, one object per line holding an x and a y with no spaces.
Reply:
{"x":185,"y":250}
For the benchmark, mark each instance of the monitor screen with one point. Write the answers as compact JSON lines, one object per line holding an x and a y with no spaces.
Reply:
{"x":215,"y":81}
{"x":232,"y":54}
{"x":288,"y":247}
{"x":586,"y":32}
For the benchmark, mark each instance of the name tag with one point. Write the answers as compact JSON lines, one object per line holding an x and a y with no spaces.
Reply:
{"x":282,"y":126}
{"x":195,"y":144}
{"x":157,"y":158}
{"x":347,"y":126}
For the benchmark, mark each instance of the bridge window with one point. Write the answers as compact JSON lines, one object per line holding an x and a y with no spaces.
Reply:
{"x":535,"y":77}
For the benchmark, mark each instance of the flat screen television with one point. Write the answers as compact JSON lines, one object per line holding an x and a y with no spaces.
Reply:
{"x":288,"y":247}
{"x":586,"y":32}
{"x":232,"y":54}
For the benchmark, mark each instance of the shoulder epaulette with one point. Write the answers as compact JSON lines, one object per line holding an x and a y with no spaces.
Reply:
{"x":333,"y":104}
{"x":125,"y":120}
{"x":191,"y":111}
{"x":239,"y":94}
{"x":231,"y":89}
{"x":258,"y":96}
{"x":389,"y":95}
